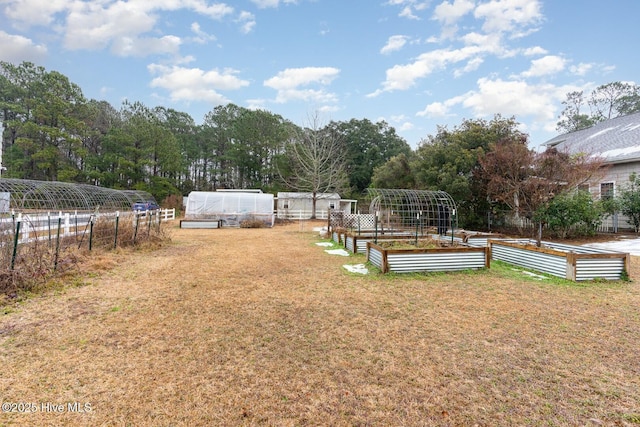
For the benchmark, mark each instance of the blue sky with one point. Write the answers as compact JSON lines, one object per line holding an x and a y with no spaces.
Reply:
{"x":415,"y":64}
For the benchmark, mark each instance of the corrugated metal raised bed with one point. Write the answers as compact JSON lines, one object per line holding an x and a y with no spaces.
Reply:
{"x":427,"y":260}
{"x":357,"y":243}
{"x":571,"y":262}
{"x":471,"y":238}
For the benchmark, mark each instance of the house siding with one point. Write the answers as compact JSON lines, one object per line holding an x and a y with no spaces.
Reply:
{"x":617,"y":142}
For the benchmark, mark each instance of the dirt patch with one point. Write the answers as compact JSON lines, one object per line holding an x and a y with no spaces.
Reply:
{"x":421,"y":244}
{"x":262,"y":327}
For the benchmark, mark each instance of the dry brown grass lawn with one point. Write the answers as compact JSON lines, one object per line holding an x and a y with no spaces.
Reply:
{"x":262,"y":327}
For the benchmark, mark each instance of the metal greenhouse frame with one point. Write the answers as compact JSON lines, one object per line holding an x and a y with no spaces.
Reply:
{"x":30,"y":195}
{"x":421,"y":211}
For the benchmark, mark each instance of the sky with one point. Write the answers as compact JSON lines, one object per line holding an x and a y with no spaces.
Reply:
{"x":416,"y":64}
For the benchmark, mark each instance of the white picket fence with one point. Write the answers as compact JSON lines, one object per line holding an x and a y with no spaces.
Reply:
{"x":300,"y":214}
{"x":46,"y":225}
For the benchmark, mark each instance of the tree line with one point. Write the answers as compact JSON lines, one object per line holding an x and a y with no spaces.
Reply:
{"x":50,"y":131}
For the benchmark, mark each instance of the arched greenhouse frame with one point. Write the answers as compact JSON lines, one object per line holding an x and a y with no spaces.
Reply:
{"x":426,"y":211}
{"x":22,"y":195}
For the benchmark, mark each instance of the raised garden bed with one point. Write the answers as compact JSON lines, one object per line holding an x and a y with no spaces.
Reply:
{"x":357,"y":243}
{"x":453,"y":258}
{"x":200,"y":223}
{"x":570,"y":262}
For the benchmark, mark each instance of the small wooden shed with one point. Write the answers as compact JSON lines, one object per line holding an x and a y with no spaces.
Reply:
{"x":294,"y":205}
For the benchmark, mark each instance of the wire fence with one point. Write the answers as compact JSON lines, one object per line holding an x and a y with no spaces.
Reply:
{"x":34,"y":245}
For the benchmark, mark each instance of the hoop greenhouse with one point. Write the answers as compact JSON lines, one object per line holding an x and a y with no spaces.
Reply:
{"x":30,"y":195}
{"x":404,"y":209}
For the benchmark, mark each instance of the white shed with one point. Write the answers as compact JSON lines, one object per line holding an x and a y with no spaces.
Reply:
{"x":300,"y":205}
{"x":230,"y":208}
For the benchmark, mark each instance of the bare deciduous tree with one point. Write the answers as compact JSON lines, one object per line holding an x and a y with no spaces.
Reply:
{"x":315,"y":163}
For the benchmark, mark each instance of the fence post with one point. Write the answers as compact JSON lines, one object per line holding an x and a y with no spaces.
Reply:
{"x":90,"y":233}
{"x":15,"y":241}
{"x":25,"y":231}
{"x":67,"y":224}
{"x":55,"y":263}
{"x":135,"y":230}
{"x":48,"y":226}
{"x":115,"y":240}
{"x":375,"y":224}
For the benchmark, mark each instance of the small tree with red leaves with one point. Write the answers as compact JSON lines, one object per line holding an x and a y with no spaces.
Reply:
{"x":526,"y":181}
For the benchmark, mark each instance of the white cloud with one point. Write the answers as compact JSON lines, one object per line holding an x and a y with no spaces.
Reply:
{"x":394,"y":43}
{"x":290,"y":83}
{"x":441,"y":109}
{"x":545,"y":66}
{"x":490,"y":43}
{"x":407,"y":12}
{"x":140,"y":47}
{"x":34,"y":12}
{"x":294,"y":77}
{"x":328,"y":109}
{"x":403,"y":77}
{"x":17,"y":49}
{"x":499,"y":18}
{"x":128,"y":27}
{"x":264,"y":4}
{"x":400,"y":122}
{"x":435,"y":109}
{"x":449,"y":13}
{"x":194,"y":84}
{"x":581,"y":69}
{"x":509,"y":16}
{"x":409,"y":7}
{"x":472,"y":65}
{"x":256,"y":104}
{"x":510,"y":98}
{"x":534,"y":51}
{"x":514,"y":97}
{"x":247,"y":22}
{"x":405,"y":126}
{"x":91,"y":27}
{"x":201,"y":35}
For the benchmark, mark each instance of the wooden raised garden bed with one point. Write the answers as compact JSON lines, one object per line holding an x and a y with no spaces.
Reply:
{"x":428,"y":260}
{"x":570,"y":262}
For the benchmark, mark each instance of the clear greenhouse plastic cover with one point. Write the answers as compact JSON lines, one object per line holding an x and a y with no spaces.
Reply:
{"x":229,"y":207}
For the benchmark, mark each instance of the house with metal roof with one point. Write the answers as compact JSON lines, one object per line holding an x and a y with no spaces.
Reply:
{"x":617,"y":142}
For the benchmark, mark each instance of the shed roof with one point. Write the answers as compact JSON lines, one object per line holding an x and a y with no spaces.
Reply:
{"x":294,"y":195}
{"x":616,"y":140}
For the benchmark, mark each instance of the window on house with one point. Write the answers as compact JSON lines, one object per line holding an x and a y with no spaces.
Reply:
{"x":332,"y":205}
{"x":583,"y":187}
{"x":285,"y":205}
{"x":606,"y":191}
